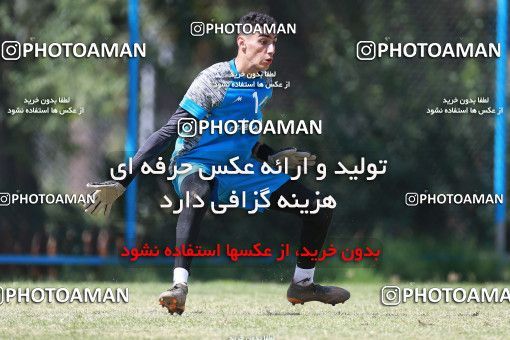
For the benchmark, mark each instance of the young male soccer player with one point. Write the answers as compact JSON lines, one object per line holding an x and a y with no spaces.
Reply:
{"x":206,"y":100}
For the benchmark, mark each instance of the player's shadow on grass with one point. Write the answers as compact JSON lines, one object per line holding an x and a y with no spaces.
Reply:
{"x":268,"y":312}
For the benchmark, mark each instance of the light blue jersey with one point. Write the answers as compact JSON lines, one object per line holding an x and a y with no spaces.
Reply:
{"x":218,"y":94}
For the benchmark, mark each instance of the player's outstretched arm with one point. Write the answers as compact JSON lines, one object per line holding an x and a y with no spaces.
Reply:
{"x":295,"y":157}
{"x":106,"y":193}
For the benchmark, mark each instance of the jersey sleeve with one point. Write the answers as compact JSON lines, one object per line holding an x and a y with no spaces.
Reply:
{"x":204,"y":94}
{"x":156,"y":144}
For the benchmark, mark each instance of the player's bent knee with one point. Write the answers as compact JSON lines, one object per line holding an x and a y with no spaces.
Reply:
{"x":200,"y":194}
{"x":197,"y":189}
{"x":325,"y":215}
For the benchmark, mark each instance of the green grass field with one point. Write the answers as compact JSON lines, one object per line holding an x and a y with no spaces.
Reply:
{"x":224,"y":309}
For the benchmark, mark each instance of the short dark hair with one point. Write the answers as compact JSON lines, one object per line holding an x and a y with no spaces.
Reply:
{"x":254,"y":18}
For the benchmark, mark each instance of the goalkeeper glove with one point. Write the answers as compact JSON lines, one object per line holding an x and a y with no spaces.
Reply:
{"x":294,"y":157}
{"x":105,"y":194}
